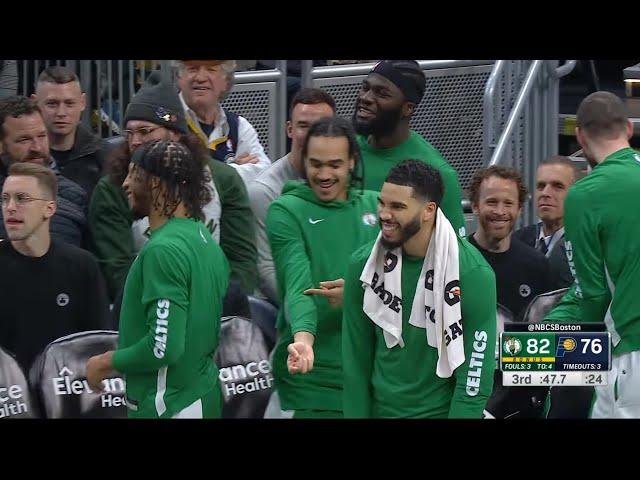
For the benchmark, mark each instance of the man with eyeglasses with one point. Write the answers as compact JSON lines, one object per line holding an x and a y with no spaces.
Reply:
{"x":23,"y":138}
{"x":118,"y":233}
{"x":48,"y":288}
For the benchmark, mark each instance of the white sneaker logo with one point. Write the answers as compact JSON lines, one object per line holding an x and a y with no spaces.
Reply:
{"x":313,"y":222}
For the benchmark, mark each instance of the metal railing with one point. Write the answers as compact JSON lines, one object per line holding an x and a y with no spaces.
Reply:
{"x":521,"y":117}
{"x":8,"y":78}
{"x":476,"y":112}
{"x":110,"y":84}
{"x":449,"y":116}
{"x":274,"y":81}
{"x":309,"y":72}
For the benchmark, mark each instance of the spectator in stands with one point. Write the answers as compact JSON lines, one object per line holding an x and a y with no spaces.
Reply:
{"x":170,"y":321}
{"x":78,"y":152}
{"x":497,"y":194}
{"x":231,"y":138}
{"x":308,"y":106}
{"x":155,"y":113}
{"x":23,"y":138}
{"x":48,"y":288}
{"x":387,"y":100}
{"x":554,"y":177}
{"x":313,"y":228}
{"x":408,"y":297}
{"x":602,"y":225}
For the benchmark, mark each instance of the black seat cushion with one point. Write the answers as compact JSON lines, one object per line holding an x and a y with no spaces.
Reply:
{"x":246,"y":378}
{"x":15,"y":398}
{"x":58,"y":378}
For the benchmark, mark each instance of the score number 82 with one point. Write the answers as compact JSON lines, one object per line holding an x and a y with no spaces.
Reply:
{"x":542,"y":346}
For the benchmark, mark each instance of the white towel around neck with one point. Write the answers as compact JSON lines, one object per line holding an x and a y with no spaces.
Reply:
{"x":435,"y":309}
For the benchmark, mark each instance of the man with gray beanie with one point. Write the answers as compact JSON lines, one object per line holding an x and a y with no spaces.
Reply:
{"x":387,"y":100}
{"x":155,"y":113}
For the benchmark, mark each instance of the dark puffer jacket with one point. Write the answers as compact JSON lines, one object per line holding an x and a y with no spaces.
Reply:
{"x":84,"y":164}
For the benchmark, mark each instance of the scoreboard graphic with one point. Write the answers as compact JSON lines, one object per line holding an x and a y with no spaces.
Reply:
{"x":555,"y":358}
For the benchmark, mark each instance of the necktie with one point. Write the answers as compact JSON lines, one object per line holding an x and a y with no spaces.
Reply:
{"x":542,"y":246}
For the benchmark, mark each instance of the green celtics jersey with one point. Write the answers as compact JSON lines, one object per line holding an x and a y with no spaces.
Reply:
{"x":378,"y":161}
{"x":170,"y":320}
{"x":602,"y":229}
{"x":311,"y":242}
{"x":401,"y":382}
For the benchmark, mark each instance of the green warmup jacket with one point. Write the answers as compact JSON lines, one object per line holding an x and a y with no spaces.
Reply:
{"x":378,"y":161}
{"x":311,"y":242}
{"x":602,"y":228}
{"x":170,"y":320}
{"x":399,"y":382}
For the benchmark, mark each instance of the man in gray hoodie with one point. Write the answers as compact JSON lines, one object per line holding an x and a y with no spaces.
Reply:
{"x":308,"y":106}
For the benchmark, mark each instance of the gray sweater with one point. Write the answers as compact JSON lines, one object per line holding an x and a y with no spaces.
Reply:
{"x":262,"y":191}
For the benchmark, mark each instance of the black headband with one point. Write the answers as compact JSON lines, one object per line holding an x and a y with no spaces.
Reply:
{"x":410,"y":90}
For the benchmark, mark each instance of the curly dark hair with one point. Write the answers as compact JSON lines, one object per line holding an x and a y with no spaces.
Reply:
{"x":16,"y":106}
{"x":184,"y":177}
{"x":506,"y":173}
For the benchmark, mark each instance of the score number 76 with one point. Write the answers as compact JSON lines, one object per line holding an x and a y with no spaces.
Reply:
{"x":542,"y":346}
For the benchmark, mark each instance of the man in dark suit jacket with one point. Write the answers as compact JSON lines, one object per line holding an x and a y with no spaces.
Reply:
{"x":554,"y":177}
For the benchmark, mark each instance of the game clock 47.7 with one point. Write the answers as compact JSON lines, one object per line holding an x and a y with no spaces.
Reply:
{"x":554,"y":379}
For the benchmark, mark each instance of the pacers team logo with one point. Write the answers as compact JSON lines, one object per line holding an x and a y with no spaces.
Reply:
{"x":512,"y":346}
{"x":369,"y":219}
{"x":165,"y":115}
{"x":566,"y":344}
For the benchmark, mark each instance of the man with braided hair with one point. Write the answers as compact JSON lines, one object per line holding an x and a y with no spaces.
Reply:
{"x":155,"y":113}
{"x":172,"y":304}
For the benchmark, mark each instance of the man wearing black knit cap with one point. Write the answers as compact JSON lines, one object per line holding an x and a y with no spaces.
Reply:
{"x":387,"y":100}
{"x":155,"y":113}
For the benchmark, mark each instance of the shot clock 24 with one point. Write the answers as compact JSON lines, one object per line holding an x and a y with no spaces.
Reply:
{"x":550,"y":358}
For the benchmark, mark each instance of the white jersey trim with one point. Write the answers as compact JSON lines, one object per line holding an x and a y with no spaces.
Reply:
{"x":192,"y":411}
{"x":608,"y":319}
{"x":161,"y":407}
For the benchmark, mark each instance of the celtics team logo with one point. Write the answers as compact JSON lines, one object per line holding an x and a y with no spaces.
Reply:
{"x":369,"y":219}
{"x":512,"y":346}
